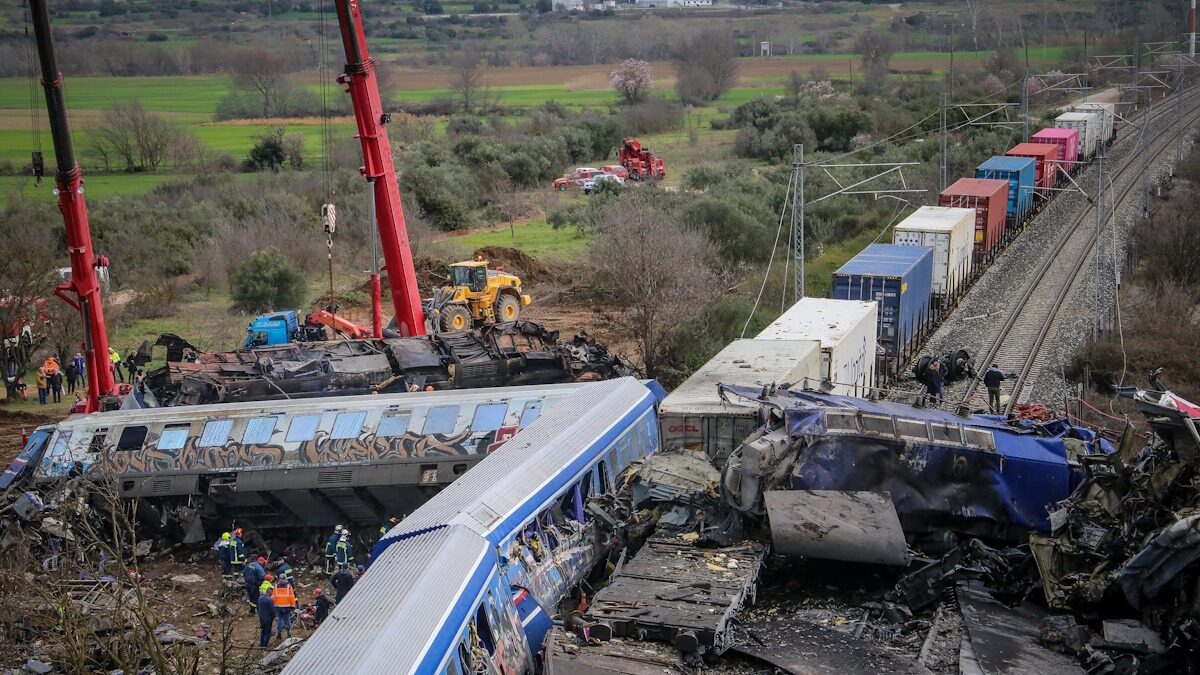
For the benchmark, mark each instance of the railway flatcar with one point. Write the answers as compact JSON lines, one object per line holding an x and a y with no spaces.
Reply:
{"x":466,"y":583}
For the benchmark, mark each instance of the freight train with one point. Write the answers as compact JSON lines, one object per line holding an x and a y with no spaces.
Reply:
{"x":939,"y":250}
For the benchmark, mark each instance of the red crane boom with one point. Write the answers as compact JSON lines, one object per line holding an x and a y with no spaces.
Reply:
{"x":377,"y":168}
{"x":83,"y":290}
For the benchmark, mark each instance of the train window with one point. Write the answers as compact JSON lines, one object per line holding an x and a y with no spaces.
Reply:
{"x":303,"y":428}
{"x":393,"y":425}
{"x":97,"y":445}
{"x":347,"y":425}
{"x":979,"y":438}
{"x":215,"y":434}
{"x":173,"y":437}
{"x":946,"y":433}
{"x":913,"y":429}
{"x":441,"y":419}
{"x":489,"y":417}
{"x":483,"y":627}
{"x":878,"y":424}
{"x":604,"y":484}
{"x":259,"y":430}
{"x":132,"y":438}
{"x":530,"y":413}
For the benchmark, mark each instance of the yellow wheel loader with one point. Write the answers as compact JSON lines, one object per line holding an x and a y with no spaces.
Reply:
{"x":476,"y":295}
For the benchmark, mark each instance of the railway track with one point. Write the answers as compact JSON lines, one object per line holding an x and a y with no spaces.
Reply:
{"x":1018,"y":344}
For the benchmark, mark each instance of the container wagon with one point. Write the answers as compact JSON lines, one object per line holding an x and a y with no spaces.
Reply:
{"x":1067,"y":141}
{"x":1108,"y":117}
{"x":949,"y":233}
{"x":695,"y":416}
{"x":899,"y":278}
{"x":1045,"y":169}
{"x":846,"y":331}
{"x":989,"y":198}
{"x":1088,"y":125}
{"x":1019,"y":172}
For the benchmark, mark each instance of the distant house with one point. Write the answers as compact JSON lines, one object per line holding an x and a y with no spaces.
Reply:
{"x":674,"y":3}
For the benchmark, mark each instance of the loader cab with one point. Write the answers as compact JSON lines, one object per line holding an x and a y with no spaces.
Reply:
{"x":471,"y":275}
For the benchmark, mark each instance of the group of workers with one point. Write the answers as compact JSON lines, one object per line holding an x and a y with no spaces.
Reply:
{"x":273,"y":593}
{"x":935,"y":384}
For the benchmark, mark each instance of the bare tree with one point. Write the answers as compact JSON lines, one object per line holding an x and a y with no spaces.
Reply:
{"x":133,"y":137}
{"x":264,"y":72}
{"x":876,"y":50}
{"x":975,"y":11}
{"x":467,"y":79}
{"x":29,"y":257}
{"x":664,"y":277}
{"x":705,"y":66}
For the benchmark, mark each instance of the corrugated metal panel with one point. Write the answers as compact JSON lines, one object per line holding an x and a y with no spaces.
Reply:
{"x":1088,"y":125}
{"x":1019,"y":172}
{"x":846,"y":330}
{"x":1046,"y":169}
{"x":745,"y":362}
{"x":505,"y":478}
{"x":396,"y":609}
{"x":950,"y":233}
{"x":989,"y":198}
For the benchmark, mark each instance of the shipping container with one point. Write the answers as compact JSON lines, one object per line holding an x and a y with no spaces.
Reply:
{"x":989,"y":198}
{"x":846,"y":331}
{"x":950,"y":233}
{"x":695,"y":416}
{"x":1019,"y":172}
{"x":1088,"y":125}
{"x":1108,"y":118}
{"x":1067,"y":141}
{"x":1045,"y":171}
{"x":900,"y":279}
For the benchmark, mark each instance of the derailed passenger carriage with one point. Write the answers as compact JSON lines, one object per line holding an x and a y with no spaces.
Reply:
{"x":468,"y":582}
{"x":314,"y":462}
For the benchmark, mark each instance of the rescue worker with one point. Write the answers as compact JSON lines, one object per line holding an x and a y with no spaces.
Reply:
{"x":342,"y":581}
{"x":284,"y":596}
{"x":323,"y":605}
{"x":254,"y":574}
{"x":344,"y":550}
{"x":114,"y":360}
{"x":934,"y":382}
{"x":992,"y":379}
{"x":331,"y":549}
{"x":237,"y":552}
{"x":283,"y":569}
{"x":224,"y":553}
{"x":392,"y":522}
{"x":265,"y":606}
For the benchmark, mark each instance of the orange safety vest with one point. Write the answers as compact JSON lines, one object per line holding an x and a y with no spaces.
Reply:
{"x":284,"y":596}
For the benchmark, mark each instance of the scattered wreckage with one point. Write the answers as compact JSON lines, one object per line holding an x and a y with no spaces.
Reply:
{"x":516,"y":353}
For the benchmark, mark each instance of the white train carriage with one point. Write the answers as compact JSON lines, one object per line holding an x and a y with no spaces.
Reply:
{"x":466,"y":583}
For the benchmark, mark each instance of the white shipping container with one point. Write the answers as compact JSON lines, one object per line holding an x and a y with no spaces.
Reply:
{"x":1108,"y":116}
{"x":846,"y":331}
{"x":950,"y":232}
{"x":695,"y":416}
{"x":1087,"y":124}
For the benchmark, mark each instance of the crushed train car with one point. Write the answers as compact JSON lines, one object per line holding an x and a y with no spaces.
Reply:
{"x":308,"y":462}
{"x":979,"y":475}
{"x":517,"y":353}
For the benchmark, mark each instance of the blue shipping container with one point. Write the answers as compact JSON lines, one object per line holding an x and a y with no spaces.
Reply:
{"x":900,"y":279}
{"x":1020,"y":172}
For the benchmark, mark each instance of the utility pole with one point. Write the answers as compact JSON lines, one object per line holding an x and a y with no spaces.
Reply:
{"x":1192,"y":34}
{"x":798,"y":216}
{"x":1025,"y":106}
{"x":942,"y":172}
{"x":1099,"y":246}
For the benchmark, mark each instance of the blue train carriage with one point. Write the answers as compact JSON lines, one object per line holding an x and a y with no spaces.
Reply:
{"x":467,"y":583}
{"x":1021,"y":174}
{"x":312,"y":462}
{"x":900,"y":280}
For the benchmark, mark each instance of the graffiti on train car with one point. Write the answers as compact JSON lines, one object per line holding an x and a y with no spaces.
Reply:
{"x":320,"y":450}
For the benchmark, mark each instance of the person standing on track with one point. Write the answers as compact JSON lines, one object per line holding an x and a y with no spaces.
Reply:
{"x":935,"y":382}
{"x":992,"y":379}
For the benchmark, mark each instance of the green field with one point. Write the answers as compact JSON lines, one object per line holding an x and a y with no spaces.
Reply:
{"x":190,"y":94}
{"x":95,"y":187}
{"x":536,"y":238}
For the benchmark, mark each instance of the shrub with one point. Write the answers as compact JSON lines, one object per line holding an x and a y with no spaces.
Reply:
{"x":267,"y":281}
{"x":632,"y":80}
{"x":268,"y":153}
{"x":653,"y":117}
{"x":445,"y":194}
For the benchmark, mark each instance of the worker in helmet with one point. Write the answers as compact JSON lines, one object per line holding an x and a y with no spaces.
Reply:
{"x":284,"y":595}
{"x":265,"y":606}
{"x":222,"y":548}
{"x":331,"y":549}
{"x":254,"y":574}
{"x":323,"y":605}
{"x":344,"y":551}
{"x":392,"y":522}
{"x":237,"y":553}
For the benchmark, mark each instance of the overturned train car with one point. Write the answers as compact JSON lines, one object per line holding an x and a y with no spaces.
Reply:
{"x":979,"y":474}
{"x":509,"y":354}
{"x":309,"y":462}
